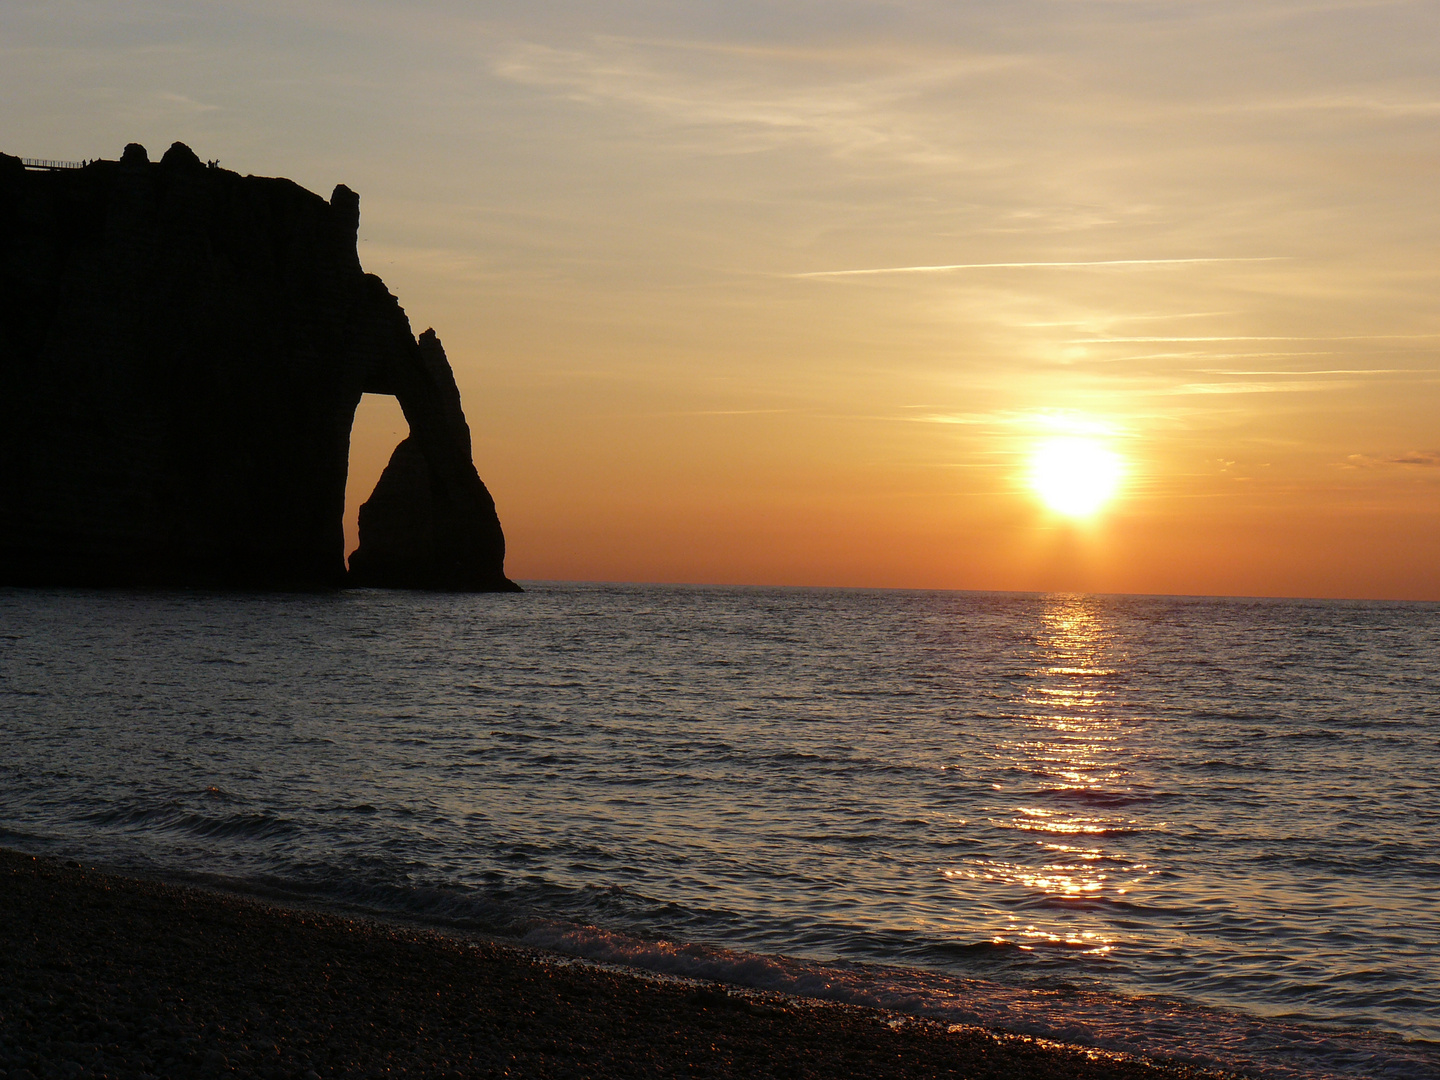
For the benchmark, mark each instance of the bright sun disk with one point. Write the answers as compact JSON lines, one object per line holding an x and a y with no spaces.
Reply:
{"x":1074,"y":476}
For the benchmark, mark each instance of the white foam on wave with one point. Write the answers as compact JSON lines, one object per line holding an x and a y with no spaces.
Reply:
{"x":1147,"y":1027}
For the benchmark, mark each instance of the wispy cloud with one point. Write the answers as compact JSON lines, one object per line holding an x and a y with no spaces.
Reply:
{"x":1198,"y":389}
{"x":1200,"y":354}
{"x":1075,"y":264}
{"x":1425,"y":459}
{"x":1252,"y":337}
{"x":1339,"y":103}
{"x":853,"y":102}
{"x":1323,"y":371}
{"x":1050,"y":421}
{"x":1166,"y":317}
{"x":726,"y":412}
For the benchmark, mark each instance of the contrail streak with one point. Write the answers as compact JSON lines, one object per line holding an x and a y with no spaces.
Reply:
{"x":1251,"y":337}
{"x":1029,"y":265}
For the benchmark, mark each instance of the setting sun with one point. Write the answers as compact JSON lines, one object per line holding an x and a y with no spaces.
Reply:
{"x":1074,"y":476}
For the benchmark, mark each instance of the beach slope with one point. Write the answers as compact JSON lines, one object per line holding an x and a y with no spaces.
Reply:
{"x":103,"y":975}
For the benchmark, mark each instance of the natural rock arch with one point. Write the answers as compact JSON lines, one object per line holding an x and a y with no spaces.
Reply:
{"x":430,"y":514}
{"x":182,"y":350}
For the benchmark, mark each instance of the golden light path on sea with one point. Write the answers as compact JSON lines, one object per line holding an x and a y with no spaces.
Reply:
{"x":1068,"y":742}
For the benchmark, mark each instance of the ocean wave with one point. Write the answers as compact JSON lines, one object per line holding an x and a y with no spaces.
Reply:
{"x":1147,"y":1027}
{"x":245,"y":825}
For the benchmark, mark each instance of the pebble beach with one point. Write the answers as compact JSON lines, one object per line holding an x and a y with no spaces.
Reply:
{"x":103,"y":975}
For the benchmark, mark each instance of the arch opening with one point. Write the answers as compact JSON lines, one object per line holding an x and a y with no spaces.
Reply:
{"x":378,"y":428}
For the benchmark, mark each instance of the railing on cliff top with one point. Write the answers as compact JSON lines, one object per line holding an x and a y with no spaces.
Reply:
{"x":37,"y":163}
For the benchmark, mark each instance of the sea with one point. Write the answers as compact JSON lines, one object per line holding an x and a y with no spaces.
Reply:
{"x":1188,"y":828}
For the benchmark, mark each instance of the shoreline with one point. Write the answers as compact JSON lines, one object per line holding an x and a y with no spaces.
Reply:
{"x":107,"y":975}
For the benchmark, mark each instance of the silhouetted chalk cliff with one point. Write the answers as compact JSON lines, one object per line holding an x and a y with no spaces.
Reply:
{"x":419,"y":525}
{"x":181,"y":353}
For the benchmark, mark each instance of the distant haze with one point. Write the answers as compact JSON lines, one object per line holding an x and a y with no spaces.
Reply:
{"x":1204,"y":234}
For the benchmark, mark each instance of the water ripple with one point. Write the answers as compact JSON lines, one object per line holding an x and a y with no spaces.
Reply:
{"x":1181,"y":825}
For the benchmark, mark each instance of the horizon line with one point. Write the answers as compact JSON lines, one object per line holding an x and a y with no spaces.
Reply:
{"x":1010,"y":592}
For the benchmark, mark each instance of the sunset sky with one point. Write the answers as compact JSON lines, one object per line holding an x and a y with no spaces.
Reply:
{"x":790,"y":293}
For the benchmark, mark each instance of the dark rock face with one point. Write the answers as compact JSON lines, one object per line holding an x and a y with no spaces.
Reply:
{"x":430,"y":511}
{"x":181,"y":353}
{"x":397,"y":523}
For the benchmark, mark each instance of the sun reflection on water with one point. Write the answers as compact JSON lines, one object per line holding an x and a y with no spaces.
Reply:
{"x":1068,"y":780}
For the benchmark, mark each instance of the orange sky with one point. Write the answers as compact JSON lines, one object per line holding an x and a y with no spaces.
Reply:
{"x":1205,"y":233}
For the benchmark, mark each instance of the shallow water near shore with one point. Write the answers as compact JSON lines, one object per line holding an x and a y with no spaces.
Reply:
{"x":1206,"y":828}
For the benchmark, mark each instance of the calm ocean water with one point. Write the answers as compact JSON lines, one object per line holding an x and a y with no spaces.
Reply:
{"x":1207,"y":828}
